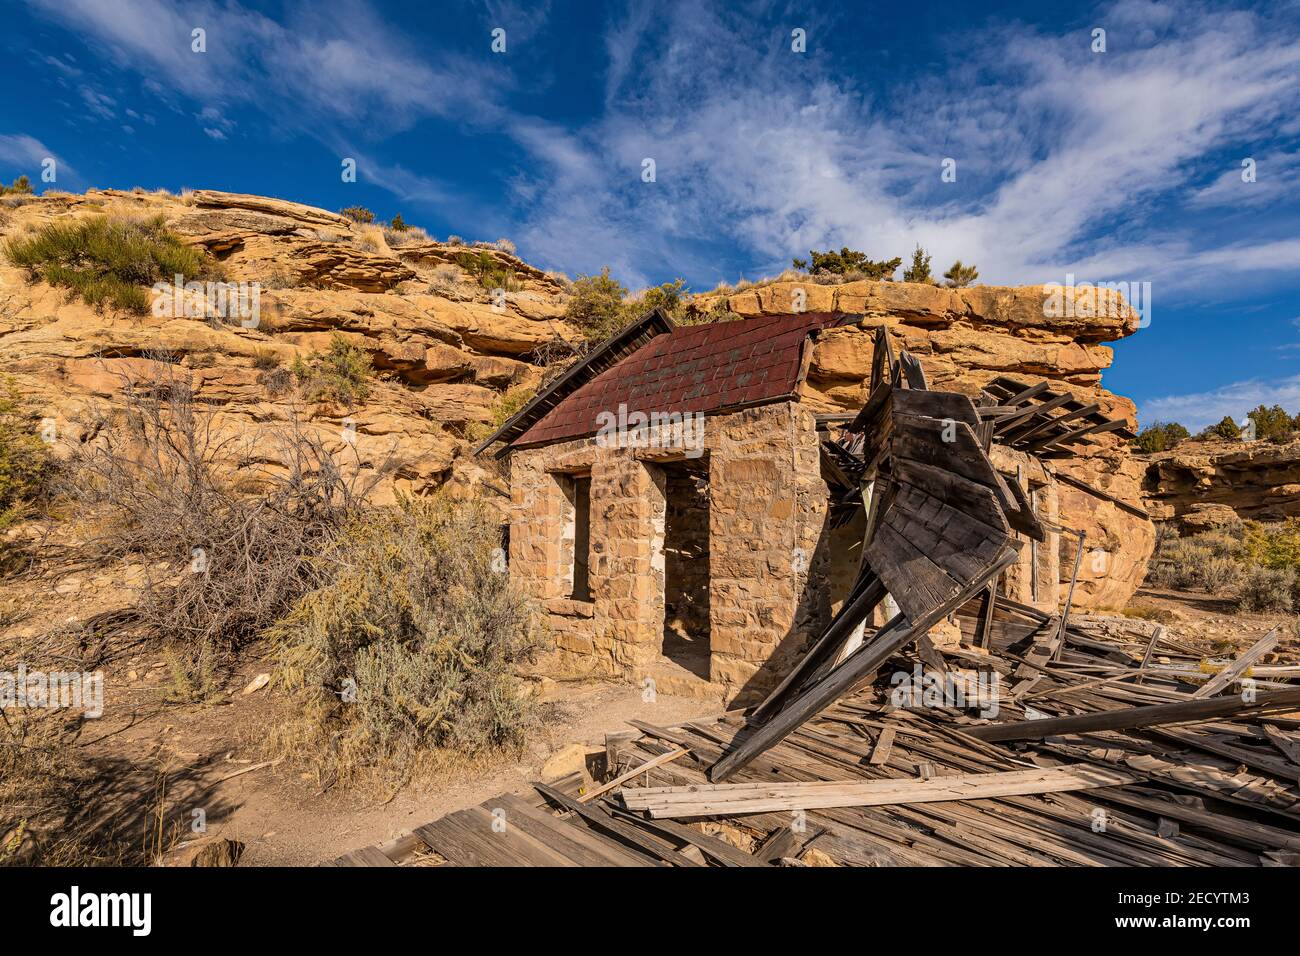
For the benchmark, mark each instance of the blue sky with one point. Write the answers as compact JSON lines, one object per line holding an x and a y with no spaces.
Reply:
{"x":1115,"y":166}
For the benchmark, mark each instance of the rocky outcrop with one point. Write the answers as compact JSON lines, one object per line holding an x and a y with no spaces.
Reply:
{"x":964,"y":339}
{"x":1205,"y":484}
{"x":442,"y":350}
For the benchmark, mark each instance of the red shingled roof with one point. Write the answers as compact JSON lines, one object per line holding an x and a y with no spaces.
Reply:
{"x":696,"y":368}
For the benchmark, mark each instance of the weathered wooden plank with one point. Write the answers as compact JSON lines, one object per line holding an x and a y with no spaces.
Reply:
{"x":584,"y":847}
{"x":884,"y":744}
{"x":739,"y":798}
{"x":1128,"y":718}
{"x":1234,"y":670}
{"x":600,"y":819}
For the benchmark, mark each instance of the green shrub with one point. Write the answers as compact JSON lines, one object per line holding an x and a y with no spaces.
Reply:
{"x":1160,"y":436}
{"x":340,"y":375}
{"x":1273,"y":545}
{"x":110,"y":261}
{"x":1267,"y":589}
{"x":1272,"y":424}
{"x":596,"y":305}
{"x":22,"y":186}
{"x":959,"y":276}
{"x":1226,"y":428}
{"x":487,"y":271}
{"x":358,"y":214}
{"x":919,"y":270}
{"x":670,"y":296}
{"x":398,"y":224}
{"x":409,"y":646}
{"x":848,"y":261}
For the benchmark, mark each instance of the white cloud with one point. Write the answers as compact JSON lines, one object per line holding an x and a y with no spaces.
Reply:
{"x":1067,"y":161}
{"x":18,"y":149}
{"x":27,"y":155}
{"x":1275,"y":176}
{"x":98,"y":103}
{"x":1057,"y":149}
{"x":1199,"y":409}
{"x":347,"y":66}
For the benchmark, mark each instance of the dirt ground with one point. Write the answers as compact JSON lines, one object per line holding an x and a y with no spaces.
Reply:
{"x":1212,"y":625}
{"x":182,"y":756}
{"x":185,"y":757}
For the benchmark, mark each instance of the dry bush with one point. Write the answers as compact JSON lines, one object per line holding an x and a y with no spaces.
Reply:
{"x":233,"y":535}
{"x":25,"y":462}
{"x":1267,"y":589}
{"x":1220,"y":575}
{"x":1178,"y":564}
{"x":406,"y":651}
{"x":408,"y":236}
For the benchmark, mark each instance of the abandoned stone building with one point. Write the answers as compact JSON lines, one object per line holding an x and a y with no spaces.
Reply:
{"x":674,"y":503}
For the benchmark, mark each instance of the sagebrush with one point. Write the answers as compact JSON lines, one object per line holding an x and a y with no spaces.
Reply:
{"x":409,"y":645}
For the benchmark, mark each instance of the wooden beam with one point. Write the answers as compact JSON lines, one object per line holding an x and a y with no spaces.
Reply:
{"x":1234,"y":670}
{"x":633,"y":773}
{"x":1129,"y":718}
{"x":860,"y":665}
{"x":1005,"y":425}
{"x":1069,"y":437}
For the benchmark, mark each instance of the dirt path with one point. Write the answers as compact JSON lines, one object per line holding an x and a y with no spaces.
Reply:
{"x":278,"y":812}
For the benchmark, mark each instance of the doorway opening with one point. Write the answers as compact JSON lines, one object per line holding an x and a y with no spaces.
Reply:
{"x":686,"y":565}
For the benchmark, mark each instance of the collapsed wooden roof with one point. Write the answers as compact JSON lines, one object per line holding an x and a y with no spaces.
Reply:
{"x":940,"y":527}
{"x":1102,"y":757}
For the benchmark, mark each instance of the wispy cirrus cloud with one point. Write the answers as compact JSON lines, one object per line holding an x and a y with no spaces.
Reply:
{"x":1063,"y":156}
{"x":27,"y":154}
{"x":347,"y":67}
{"x":1110,"y":166}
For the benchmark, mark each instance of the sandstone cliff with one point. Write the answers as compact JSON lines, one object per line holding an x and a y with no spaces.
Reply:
{"x":1200,"y":484}
{"x":444,"y":352}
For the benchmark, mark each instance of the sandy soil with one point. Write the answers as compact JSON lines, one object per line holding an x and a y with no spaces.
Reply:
{"x":279,"y":811}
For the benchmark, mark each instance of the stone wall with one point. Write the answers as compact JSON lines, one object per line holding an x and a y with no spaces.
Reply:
{"x":767,"y":509}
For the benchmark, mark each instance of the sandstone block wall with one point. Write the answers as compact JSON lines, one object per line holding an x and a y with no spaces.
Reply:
{"x":766,"y":517}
